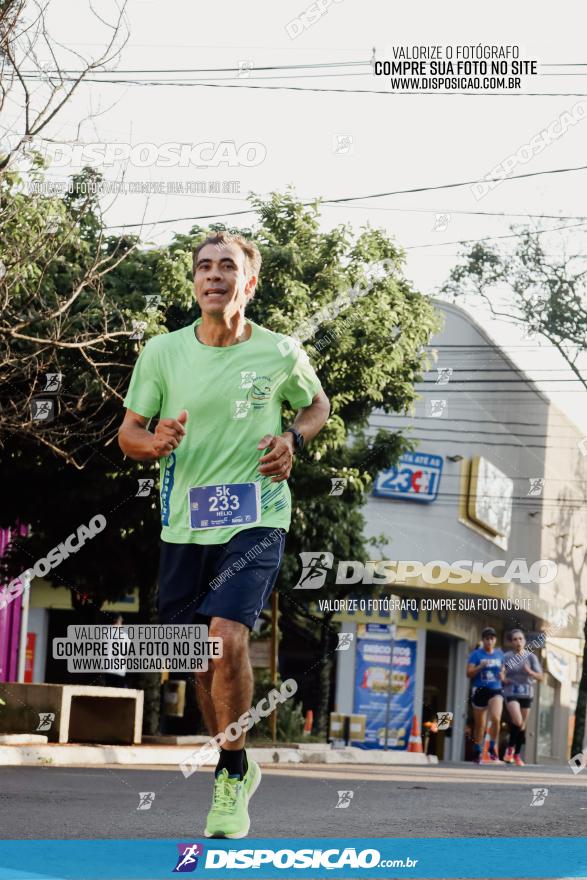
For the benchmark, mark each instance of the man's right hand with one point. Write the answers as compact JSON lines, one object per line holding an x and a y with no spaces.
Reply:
{"x":168,"y":435}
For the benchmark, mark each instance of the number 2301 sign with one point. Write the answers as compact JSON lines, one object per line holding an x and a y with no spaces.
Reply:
{"x":416,"y":477}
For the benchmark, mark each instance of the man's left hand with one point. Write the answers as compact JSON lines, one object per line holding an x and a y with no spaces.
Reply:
{"x":279,"y":460}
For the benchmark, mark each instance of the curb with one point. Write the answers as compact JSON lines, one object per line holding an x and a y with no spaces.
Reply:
{"x":65,"y":755}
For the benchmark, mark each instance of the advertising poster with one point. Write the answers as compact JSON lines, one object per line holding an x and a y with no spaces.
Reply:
{"x":293,"y":439}
{"x":385,"y":702}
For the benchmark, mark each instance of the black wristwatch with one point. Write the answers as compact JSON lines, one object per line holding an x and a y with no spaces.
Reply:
{"x":298,"y":439}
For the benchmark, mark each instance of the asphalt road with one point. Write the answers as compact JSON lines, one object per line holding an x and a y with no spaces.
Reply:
{"x":440,"y":801}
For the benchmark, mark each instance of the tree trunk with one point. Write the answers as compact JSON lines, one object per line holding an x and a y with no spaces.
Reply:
{"x":149,"y":682}
{"x":579,"y":732}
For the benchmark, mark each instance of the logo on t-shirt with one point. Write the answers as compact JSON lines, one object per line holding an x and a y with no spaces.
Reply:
{"x":260,"y":392}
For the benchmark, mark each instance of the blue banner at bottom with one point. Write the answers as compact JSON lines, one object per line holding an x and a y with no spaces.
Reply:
{"x":414,"y":858}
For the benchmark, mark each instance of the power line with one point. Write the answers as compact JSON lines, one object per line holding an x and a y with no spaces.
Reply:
{"x":491,"y":443}
{"x":381,"y":195}
{"x":412,"y":247}
{"x":225,"y":85}
{"x":475,"y":431}
{"x":321,"y":64}
{"x":478,"y":421}
{"x":485,"y":381}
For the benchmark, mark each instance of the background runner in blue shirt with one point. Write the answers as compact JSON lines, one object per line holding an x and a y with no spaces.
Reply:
{"x":485,"y":668}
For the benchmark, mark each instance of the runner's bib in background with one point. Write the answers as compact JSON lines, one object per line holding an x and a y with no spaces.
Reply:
{"x":224,"y":505}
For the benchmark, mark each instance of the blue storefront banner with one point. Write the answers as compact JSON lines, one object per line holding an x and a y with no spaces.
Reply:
{"x":487,"y":858}
{"x":416,"y":477}
{"x":372,"y":670}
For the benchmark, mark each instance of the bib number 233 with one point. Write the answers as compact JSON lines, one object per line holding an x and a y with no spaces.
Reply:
{"x":224,"y":505}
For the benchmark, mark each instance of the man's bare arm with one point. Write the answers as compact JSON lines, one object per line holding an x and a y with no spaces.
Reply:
{"x":142,"y":445}
{"x":311,"y":419}
{"x":277,"y":463}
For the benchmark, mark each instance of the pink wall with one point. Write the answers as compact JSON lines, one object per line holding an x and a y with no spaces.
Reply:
{"x":10,"y":617}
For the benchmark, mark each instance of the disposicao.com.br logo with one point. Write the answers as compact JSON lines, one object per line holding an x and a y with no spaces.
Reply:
{"x":331,"y":859}
{"x":317,"y":563}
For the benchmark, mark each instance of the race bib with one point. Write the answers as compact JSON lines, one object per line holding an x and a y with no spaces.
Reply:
{"x":225,"y":505}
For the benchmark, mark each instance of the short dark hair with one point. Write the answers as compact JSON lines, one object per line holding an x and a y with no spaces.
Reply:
{"x":249,"y":248}
{"x":517,"y":629}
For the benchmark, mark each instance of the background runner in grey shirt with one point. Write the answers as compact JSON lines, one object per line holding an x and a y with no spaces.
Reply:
{"x":519,"y":683}
{"x":521,"y":670}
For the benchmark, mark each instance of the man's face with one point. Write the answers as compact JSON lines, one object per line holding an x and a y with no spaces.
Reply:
{"x":518,"y":640}
{"x":221,"y":284}
{"x":489,"y":642}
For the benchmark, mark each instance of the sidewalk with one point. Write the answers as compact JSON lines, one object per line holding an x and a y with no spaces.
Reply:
{"x":16,"y":752}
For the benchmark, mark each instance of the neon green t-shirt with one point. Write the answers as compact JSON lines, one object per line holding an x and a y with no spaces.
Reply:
{"x":233,"y":396}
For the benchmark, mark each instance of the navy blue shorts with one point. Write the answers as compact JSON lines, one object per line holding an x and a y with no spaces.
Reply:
{"x":482,"y":695}
{"x":232,"y":580}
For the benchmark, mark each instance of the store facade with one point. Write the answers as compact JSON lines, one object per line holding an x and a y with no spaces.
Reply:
{"x":495,"y":486}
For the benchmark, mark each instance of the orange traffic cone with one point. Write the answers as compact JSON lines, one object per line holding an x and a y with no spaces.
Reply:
{"x":415,"y":740}
{"x":308,"y":723}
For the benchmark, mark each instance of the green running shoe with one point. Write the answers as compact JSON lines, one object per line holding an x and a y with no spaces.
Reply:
{"x":229,"y":815}
{"x":252,"y":777}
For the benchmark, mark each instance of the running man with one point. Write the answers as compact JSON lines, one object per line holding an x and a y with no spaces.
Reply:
{"x":485,"y":667}
{"x":522,"y":669}
{"x":218,"y":387}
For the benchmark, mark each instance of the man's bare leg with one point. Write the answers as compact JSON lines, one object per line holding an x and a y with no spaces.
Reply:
{"x":232,"y":682}
{"x":204,"y":698}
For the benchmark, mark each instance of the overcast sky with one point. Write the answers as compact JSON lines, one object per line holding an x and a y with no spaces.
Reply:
{"x":393,"y":142}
